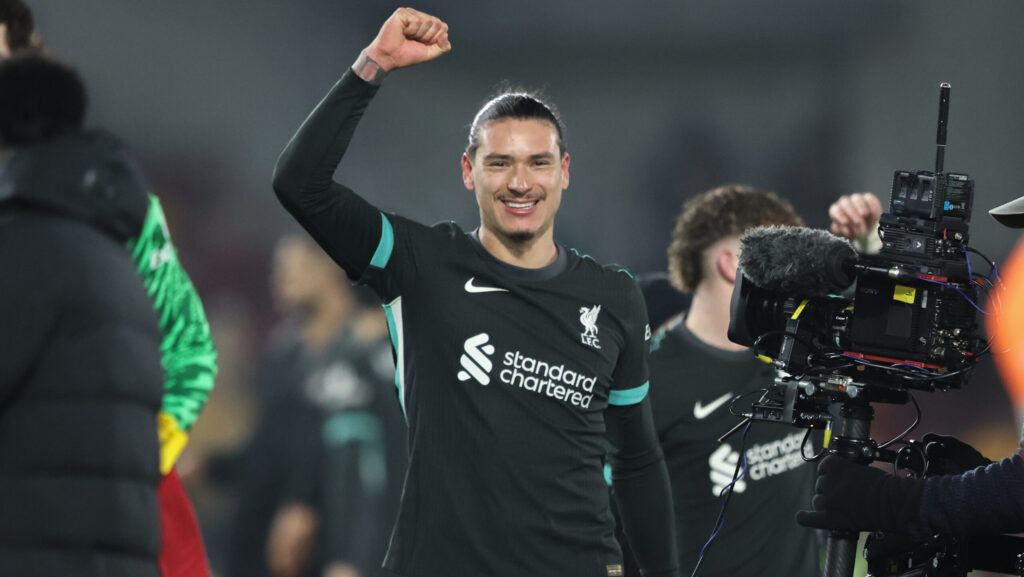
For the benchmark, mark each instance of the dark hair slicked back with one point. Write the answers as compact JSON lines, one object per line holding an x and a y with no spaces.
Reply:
{"x":40,"y":98}
{"x":517,"y":104}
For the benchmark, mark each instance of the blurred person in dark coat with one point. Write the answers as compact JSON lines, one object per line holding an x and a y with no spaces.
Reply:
{"x":188,"y":354}
{"x":80,"y":373}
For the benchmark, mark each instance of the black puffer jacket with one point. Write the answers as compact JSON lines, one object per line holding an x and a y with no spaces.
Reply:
{"x":80,"y":374}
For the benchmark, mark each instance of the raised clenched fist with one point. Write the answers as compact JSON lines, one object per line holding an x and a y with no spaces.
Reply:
{"x":407,"y":38}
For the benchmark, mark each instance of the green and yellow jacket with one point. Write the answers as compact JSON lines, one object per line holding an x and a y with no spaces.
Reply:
{"x":187,"y":350}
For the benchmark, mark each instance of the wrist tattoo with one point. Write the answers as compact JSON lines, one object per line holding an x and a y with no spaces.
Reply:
{"x":369,"y":70}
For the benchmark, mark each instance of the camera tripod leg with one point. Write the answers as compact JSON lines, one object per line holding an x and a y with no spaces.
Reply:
{"x":841,"y":553}
{"x":853,"y":442}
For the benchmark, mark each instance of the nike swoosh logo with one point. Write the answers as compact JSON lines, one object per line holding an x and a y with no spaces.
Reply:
{"x":701,"y":411}
{"x":471,"y":288}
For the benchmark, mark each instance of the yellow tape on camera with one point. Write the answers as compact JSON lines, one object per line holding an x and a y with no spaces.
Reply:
{"x":799,"y":309}
{"x":904,"y":294}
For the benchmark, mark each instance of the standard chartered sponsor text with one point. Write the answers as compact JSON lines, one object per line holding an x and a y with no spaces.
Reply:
{"x":544,"y":378}
{"x":775,"y":457}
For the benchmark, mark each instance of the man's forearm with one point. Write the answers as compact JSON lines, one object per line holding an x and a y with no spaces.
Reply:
{"x":987,"y":500}
{"x":645,"y":506}
{"x":308,"y":162}
{"x":642,"y":488}
{"x":347,"y":227}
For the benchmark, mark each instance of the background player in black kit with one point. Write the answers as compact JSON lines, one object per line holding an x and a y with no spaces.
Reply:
{"x":695,"y":372}
{"x":515,"y":355}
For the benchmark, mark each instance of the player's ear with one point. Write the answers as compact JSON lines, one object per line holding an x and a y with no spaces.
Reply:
{"x":467,"y":172}
{"x":727,"y":261}
{"x":565,"y":171}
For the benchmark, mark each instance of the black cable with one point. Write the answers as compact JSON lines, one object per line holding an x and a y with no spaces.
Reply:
{"x":803,"y":454}
{"x":910,"y":375}
{"x":988,"y":351}
{"x":823,"y":369}
{"x":943,"y":376}
{"x":916,"y":375}
{"x":795,"y":336}
{"x":913,"y":425}
{"x":991,"y":263}
{"x":740,"y":396}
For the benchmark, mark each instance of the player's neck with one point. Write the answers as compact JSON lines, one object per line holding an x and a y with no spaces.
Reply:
{"x":708,"y":317}
{"x":537,"y":252}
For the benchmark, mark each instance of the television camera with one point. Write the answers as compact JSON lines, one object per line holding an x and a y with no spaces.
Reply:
{"x":845,"y":330}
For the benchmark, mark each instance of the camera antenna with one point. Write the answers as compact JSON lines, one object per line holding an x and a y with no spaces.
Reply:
{"x":940,"y":138}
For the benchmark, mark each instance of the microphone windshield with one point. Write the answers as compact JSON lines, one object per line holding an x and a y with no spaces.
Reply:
{"x":796,"y":260}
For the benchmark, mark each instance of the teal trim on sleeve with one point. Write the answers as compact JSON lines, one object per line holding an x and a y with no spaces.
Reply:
{"x":608,"y":474}
{"x":387,"y":243}
{"x":629,"y":396}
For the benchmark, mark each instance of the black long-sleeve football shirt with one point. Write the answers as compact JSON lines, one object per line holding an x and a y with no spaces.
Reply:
{"x":508,"y":378}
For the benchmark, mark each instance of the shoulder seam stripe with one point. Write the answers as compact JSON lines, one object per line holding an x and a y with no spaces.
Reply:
{"x":387,"y":243}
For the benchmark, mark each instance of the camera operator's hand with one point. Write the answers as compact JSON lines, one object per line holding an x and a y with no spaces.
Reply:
{"x":951,"y":456}
{"x":855,"y":216}
{"x":856,"y":497}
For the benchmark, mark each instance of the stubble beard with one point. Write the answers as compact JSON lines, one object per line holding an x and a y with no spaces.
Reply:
{"x":521,"y":237}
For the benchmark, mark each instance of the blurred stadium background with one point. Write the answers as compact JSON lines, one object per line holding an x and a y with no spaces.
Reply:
{"x":661,"y":100}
